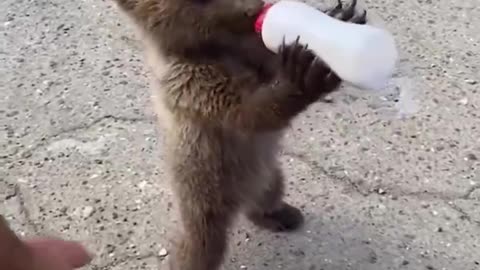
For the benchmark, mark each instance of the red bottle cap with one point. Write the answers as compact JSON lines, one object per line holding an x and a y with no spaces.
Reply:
{"x":261,"y":17}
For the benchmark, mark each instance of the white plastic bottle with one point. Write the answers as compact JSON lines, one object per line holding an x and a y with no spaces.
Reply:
{"x":363,"y":55}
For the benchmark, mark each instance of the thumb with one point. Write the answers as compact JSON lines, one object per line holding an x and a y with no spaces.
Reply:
{"x":72,"y":253}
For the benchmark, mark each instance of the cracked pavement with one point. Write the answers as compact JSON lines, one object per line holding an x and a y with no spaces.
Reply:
{"x":81,"y":158}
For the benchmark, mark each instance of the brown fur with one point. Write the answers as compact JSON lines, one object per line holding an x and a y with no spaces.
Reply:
{"x":224,"y":101}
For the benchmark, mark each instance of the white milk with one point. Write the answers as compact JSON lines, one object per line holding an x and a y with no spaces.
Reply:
{"x":363,"y":55}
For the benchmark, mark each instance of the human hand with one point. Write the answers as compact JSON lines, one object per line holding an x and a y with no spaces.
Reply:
{"x":39,"y":253}
{"x":56,"y":254}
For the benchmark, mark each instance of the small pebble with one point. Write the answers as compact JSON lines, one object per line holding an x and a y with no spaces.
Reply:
{"x":22,"y":180}
{"x":142,"y":184}
{"x":463,"y":101}
{"x":472,"y":157}
{"x":243,"y":267}
{"x":163,"y":252}
{"x":471,"y":81}
{"x":87,"y":211}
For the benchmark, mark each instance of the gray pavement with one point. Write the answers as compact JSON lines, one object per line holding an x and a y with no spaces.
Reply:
{"x":81,"y":158}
